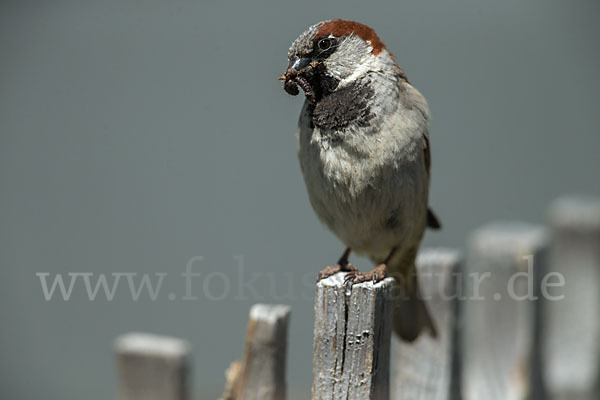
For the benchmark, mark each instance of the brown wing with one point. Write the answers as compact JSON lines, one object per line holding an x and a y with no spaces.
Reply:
{"x":427,"y":152}
{"x":432,"y":220}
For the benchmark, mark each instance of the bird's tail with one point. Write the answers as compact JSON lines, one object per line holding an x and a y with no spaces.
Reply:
{"x":411,"y":315}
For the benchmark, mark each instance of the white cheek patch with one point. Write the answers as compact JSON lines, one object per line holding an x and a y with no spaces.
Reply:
{"x":354,"y":67}
{"x":369,"y":63}
{"x":359,"y":71}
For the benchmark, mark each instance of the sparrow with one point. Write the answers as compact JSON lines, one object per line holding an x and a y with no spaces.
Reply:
{"x":364,"y":151}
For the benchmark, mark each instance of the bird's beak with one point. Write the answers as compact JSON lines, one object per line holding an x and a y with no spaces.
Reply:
{"x":295,"y":66}
{"x":299,"y":63}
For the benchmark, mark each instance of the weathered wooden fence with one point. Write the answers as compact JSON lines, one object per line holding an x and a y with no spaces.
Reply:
{"x":518,"y":317}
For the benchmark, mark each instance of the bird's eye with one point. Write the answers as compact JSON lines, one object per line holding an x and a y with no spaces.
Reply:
{"x":324,"y":44}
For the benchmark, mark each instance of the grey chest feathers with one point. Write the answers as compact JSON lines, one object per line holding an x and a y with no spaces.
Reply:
{"x":345,"y":106}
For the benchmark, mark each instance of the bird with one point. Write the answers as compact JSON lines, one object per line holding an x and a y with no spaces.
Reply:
{"x":365,"y":155}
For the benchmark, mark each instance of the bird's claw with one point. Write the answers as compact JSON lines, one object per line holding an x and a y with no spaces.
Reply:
{"x":334,"y":269}
{"x":376,"y":275}
{"x":353,"y":278}
{"x":328,"y":271}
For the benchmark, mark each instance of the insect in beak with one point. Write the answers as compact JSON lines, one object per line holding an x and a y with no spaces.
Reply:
{"x":296,"y":76}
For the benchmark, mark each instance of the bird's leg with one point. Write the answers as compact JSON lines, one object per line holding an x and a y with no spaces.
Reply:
{"x":342,"y":266}
{"x":377,"y":274}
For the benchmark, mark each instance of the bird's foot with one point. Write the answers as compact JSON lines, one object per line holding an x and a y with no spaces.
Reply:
{"x":377,"y":274}
{"x":334,"y":269}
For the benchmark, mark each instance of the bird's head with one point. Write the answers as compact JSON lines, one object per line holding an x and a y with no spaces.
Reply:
{"x":332,"y":54}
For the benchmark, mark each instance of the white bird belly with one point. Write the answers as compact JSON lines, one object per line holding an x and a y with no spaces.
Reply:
{"x":370,"y":195}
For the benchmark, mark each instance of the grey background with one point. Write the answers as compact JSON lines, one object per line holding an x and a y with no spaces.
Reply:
{"x":135,"y":135}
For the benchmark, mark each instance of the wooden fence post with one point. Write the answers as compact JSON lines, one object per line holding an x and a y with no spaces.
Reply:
{"x":352,"y":339}
{"x":571,"y":316}
{"x":152,"y":367}
{"x":261,"y":374}
{"x":498,"y":336}
{"x":429,"y":368}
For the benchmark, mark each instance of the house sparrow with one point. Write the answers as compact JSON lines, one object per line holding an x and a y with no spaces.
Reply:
{"x":364,"y":151}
